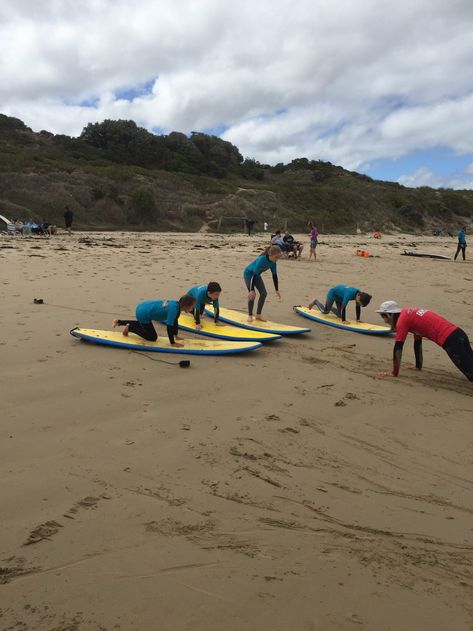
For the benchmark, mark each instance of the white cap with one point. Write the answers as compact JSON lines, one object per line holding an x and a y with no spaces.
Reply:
{"x":389,"y":306}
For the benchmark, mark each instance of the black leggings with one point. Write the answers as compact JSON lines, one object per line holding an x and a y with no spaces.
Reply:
{"x":461,"y":247}
{"x":260,"y":286}
{"x":341,"y":313}
{"x":457,"y":346}
{"x":329,"y":304}
{"x":147,"y":331}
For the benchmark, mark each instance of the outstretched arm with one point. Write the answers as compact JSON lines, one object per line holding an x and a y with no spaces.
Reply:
{"x":170,"y":331}
{"x":397,"y":356}
{"x":418,"y":353}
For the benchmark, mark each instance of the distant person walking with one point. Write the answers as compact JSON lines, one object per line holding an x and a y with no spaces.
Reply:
{"x":249,"y":226}
{"x":68,"y":219}
{"x":314,"y":239}
{"x":461,"y":247}
{"x":265,"y":226}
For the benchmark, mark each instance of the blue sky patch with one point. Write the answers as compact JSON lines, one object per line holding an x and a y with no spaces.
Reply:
{"x":441,"y":161}
{"x":129,"y":93}
{"x":92,"y":101}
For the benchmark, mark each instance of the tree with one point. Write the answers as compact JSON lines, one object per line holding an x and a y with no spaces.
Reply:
{"x":123,"y":141}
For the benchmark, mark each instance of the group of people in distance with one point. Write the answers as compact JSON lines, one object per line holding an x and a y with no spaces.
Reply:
{"x":288,"y":245}
{"x":43,"y":228}
{"x":418,"y":321}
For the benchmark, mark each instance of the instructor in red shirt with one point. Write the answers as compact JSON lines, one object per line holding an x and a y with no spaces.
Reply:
{"x":425,"y":323}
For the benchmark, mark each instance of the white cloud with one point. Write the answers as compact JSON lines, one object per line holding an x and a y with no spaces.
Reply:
{"x":343,"y":81}
{"x":425,"y":177}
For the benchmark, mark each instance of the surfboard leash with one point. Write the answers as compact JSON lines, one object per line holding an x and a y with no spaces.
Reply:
{"x":183,"y":363}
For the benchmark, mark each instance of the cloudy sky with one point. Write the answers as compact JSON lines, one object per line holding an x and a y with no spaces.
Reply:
{"x":383,"y":88}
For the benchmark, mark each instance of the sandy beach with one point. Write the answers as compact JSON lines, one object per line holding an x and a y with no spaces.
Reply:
{"x":291,"y":488}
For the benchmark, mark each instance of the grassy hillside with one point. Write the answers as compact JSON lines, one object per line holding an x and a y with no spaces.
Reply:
{"x":118,"y":176}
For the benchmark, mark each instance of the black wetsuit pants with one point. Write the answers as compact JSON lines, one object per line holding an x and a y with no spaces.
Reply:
{"x":260,"y":286}
{"x":341,"y":313}
{"x":457,"y":345}
{"x":461,"y":247}
{"x":147,"y":331}
{"x":329,"y":304}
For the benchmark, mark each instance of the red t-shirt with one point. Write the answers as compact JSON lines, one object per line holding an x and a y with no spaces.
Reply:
{"x":423,"y":323}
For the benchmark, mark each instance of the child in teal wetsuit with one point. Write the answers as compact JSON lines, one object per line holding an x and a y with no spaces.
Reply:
{"x":341,"y":296}
{"x":205,"y":295}
{"x":253,"y":280}
{"x":165,"y":311}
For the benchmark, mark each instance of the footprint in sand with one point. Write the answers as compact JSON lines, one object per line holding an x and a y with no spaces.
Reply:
{"x":42,"y":532}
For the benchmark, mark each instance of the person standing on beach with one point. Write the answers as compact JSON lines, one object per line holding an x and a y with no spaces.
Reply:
{"x":425,"y":323}
{"x":461,"y":247}
{"x":314,"y":235}
{"x":68,"y":219}
{"x":165,"y":311}
{"x":205,"y":295}
{"x":253,"y":280}
{"x":249,"y":225}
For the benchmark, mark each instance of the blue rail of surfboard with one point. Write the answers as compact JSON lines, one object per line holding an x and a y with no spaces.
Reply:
{"x":154,"y":349}
{"x":227,"y":337}
{"x":340,"y":326}
{"x":297,"y":331}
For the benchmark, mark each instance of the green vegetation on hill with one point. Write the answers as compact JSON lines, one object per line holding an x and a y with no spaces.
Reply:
{"x":117,"y":175}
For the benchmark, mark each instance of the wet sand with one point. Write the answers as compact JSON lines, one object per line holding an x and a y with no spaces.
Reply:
{"x":289,"y":488}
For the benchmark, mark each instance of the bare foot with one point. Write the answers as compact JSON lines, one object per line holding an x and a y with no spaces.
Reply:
{"x":260,"y":318}
{"x":125,"y":330}
{"x":249,"y":319}
{"x":114,"y":323}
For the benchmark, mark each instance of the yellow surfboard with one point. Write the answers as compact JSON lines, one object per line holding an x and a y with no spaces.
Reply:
{"x":240,"y":319}
{"x":162,"y":345}
{"x":228,"y":332}
{"x":332,"y":320}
